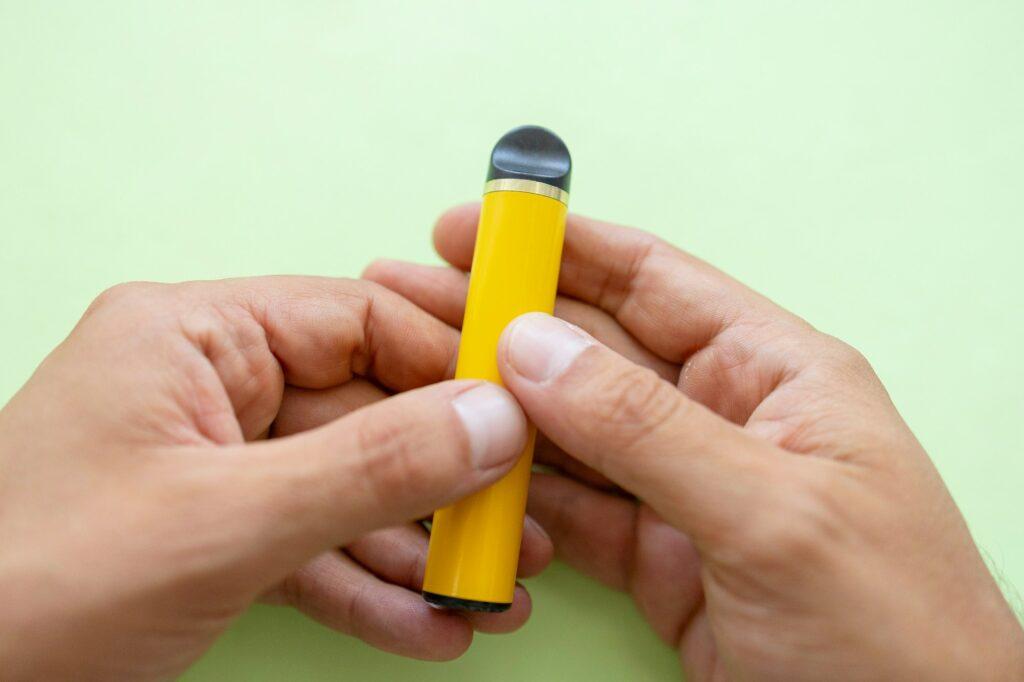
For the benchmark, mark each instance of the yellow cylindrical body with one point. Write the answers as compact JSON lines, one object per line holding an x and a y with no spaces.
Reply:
{"x":474,"y":543}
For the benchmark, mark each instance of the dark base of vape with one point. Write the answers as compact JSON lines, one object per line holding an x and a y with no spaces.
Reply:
{"x":464,"y":604}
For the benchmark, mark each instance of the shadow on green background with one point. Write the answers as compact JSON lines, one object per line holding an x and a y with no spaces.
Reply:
{"x":861,"y":163}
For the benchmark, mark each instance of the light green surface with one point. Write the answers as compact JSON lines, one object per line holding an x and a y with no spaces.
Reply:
{"x":862,"y":163}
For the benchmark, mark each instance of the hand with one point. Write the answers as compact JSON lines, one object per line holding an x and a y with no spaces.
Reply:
{"x":787,"y":524}
{"x":136,"y":523}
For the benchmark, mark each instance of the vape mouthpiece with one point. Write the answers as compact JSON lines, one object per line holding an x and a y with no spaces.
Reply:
{"x":531,"y":153}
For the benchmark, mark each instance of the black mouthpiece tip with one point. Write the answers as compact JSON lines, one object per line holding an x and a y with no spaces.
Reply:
{"x":531,"y":153}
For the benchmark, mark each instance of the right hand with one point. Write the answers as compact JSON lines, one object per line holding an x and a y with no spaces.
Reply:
{"x":786,"y":522}
{"x":192,"y":447}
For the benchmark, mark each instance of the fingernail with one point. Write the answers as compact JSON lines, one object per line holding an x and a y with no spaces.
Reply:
{"x":541,"y":347}
{"x":530,"y":525}
{"x":379,"y":263}
{"x":494,"y":423}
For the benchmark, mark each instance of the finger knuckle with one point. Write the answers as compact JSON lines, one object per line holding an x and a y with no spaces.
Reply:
{"x":294,"y":590}
{"x":304,"y":591}
{"x":390,"y":457}
{"x":123,"y":295}
{"x":357,"y":609}
{"x":629,"y":406}
{"x":847,"y":359}
{"x":414,"y":569}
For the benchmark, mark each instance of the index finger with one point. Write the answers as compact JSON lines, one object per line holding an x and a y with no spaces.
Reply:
{"x":673,"y":302}
{"x":323,"y":331}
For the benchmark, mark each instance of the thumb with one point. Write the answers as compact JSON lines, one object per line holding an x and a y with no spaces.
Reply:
{"x":385,"y":464}
{"x":701,"y":473}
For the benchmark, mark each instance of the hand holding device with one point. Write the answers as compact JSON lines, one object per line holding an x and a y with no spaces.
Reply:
{"x":143,"y":506}
{"x":786,"y":523}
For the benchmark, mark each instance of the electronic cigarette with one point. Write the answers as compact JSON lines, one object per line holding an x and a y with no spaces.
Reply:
{"x":474,"y":543}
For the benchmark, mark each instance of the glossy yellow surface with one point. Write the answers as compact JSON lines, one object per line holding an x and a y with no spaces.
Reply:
{"x":474,"y":544}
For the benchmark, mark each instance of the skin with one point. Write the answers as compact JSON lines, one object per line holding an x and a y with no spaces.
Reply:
{"x":191,"y":448}
{"x":743,"y":476}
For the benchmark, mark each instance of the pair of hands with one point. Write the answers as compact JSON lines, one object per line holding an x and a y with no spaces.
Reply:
{"x":191,"y":448}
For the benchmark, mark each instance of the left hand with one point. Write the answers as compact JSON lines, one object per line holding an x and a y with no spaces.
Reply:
{"x":786,"y":523}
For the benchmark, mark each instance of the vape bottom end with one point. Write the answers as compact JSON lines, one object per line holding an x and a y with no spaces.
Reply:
{"x":442,"y":601}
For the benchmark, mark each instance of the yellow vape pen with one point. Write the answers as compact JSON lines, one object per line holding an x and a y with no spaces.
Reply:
{"x":474,"y":543}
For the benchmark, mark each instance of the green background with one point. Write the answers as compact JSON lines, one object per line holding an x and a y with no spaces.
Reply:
{"x":862,"y":163}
